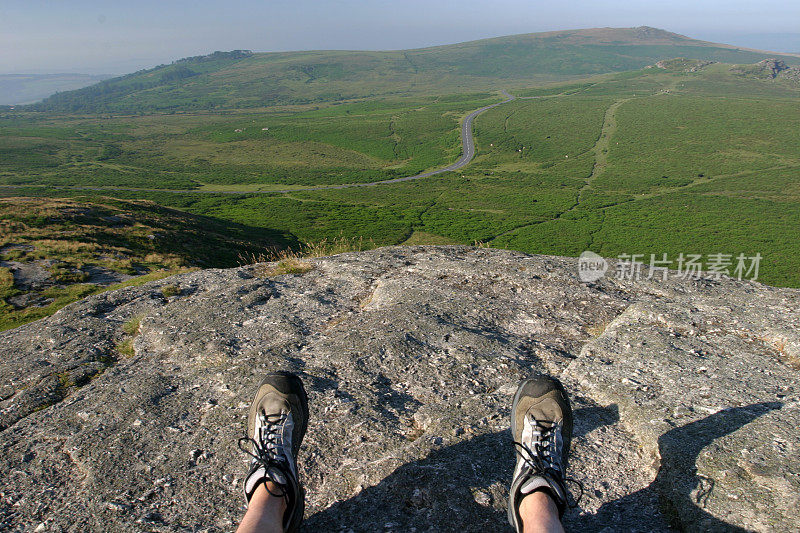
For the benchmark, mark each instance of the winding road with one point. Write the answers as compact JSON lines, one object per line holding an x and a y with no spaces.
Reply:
{"x":467,"y":153}
{"x":467,"y":150}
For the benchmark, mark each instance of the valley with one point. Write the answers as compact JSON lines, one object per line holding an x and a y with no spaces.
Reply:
{"x":649,"y":161}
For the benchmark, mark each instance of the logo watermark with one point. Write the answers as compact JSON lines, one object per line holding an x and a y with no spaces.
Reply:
{"x":592,"y":267}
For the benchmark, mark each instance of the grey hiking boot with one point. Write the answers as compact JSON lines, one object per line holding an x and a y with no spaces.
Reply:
{"x":275,"y":427}
{"x":541,"y":426}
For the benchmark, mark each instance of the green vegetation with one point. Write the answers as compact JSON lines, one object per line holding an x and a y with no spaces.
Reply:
{"x":125,"y":347}
{"x":51,"y":300}
{"x":348,"y":143}
{"x":61,"y":250}
{"x":131,"y":329}
{"x":697,"y":138}
{"x":418,"y":238}
{"x":686,"y":168}
{"x":168,"y":291}
{"x":691,"y":158}
{"x":127,"y":237}
{"x":238,"y":79}
{"x":295,"y":261}
{"x":131,"y":326}
{"x":287,"y":265}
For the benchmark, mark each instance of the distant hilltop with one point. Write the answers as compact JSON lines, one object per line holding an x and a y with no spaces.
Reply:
{"x":242,"y":79}
{"x":233,"y":54}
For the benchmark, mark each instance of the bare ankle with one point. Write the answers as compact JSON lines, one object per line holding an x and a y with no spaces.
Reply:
{"x":539,"y":513}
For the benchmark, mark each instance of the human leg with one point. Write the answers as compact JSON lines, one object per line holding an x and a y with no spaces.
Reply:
{"x":276,"y":425}
{"x":264,"y":511}
{"x":541,"y":426}
{"x":539,"y":514}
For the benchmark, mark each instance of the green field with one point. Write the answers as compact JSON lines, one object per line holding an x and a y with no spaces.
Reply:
{"x":348,"y":143}
{"x":653,"y":161}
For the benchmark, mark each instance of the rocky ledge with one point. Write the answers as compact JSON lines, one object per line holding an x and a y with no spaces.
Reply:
{"x":685,"y":395}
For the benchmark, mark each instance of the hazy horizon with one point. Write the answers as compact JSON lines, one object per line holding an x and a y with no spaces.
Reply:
{"x":91,"y":37}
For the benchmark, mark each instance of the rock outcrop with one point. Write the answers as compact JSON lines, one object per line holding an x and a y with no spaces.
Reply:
{"x":685,"y":394}
{"x":772,"y":67}
{"x":769,"y":69}
{"x":682,"y":64}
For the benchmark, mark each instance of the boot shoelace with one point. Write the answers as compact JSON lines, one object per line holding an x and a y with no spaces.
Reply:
{"x":544,"y":446}
{"x":265,"y":450}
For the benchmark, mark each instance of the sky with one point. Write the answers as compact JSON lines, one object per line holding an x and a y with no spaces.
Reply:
{"x":102,"y":37}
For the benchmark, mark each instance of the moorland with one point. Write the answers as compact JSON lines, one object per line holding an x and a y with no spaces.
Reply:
{"x":644,"y":155}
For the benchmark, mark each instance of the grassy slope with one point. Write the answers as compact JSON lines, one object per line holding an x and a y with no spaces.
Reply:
{"x":70,"y":238}
{"x":643,"y":195}
{"x":538,"y":200}
{"x":302,"y":146}
{"x":301,"y":77}
{"x":695,"y":163}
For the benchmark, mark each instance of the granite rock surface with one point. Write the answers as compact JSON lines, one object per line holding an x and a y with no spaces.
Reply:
{"x":685,"y":393}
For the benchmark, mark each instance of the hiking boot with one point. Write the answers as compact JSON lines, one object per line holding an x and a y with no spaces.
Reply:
{"x":541,"y":427}
{"x":275,"y":427}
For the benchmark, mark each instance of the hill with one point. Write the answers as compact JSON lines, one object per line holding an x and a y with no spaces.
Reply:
{"x":241,"y":79}
{"x":55,"y":251}
{"x":684,"y":392}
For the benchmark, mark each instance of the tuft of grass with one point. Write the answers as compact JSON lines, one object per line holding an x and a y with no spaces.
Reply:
{"x":131,"y":326}
{"x":418,"y":238}
{"x":287,"y":265}
{"x":296,"y":261}
{"x":169,"y":291}
{"x":125,"y":348}
{"x":7,"y":283}
{"x":336,"y":245}
{"x":15,"y":255}
{"x":131,"y":329}
{"x":65,"y":380}
{"x":63,"y":273}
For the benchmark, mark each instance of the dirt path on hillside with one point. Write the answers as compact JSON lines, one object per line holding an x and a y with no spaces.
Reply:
{"x":600,"y":151}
